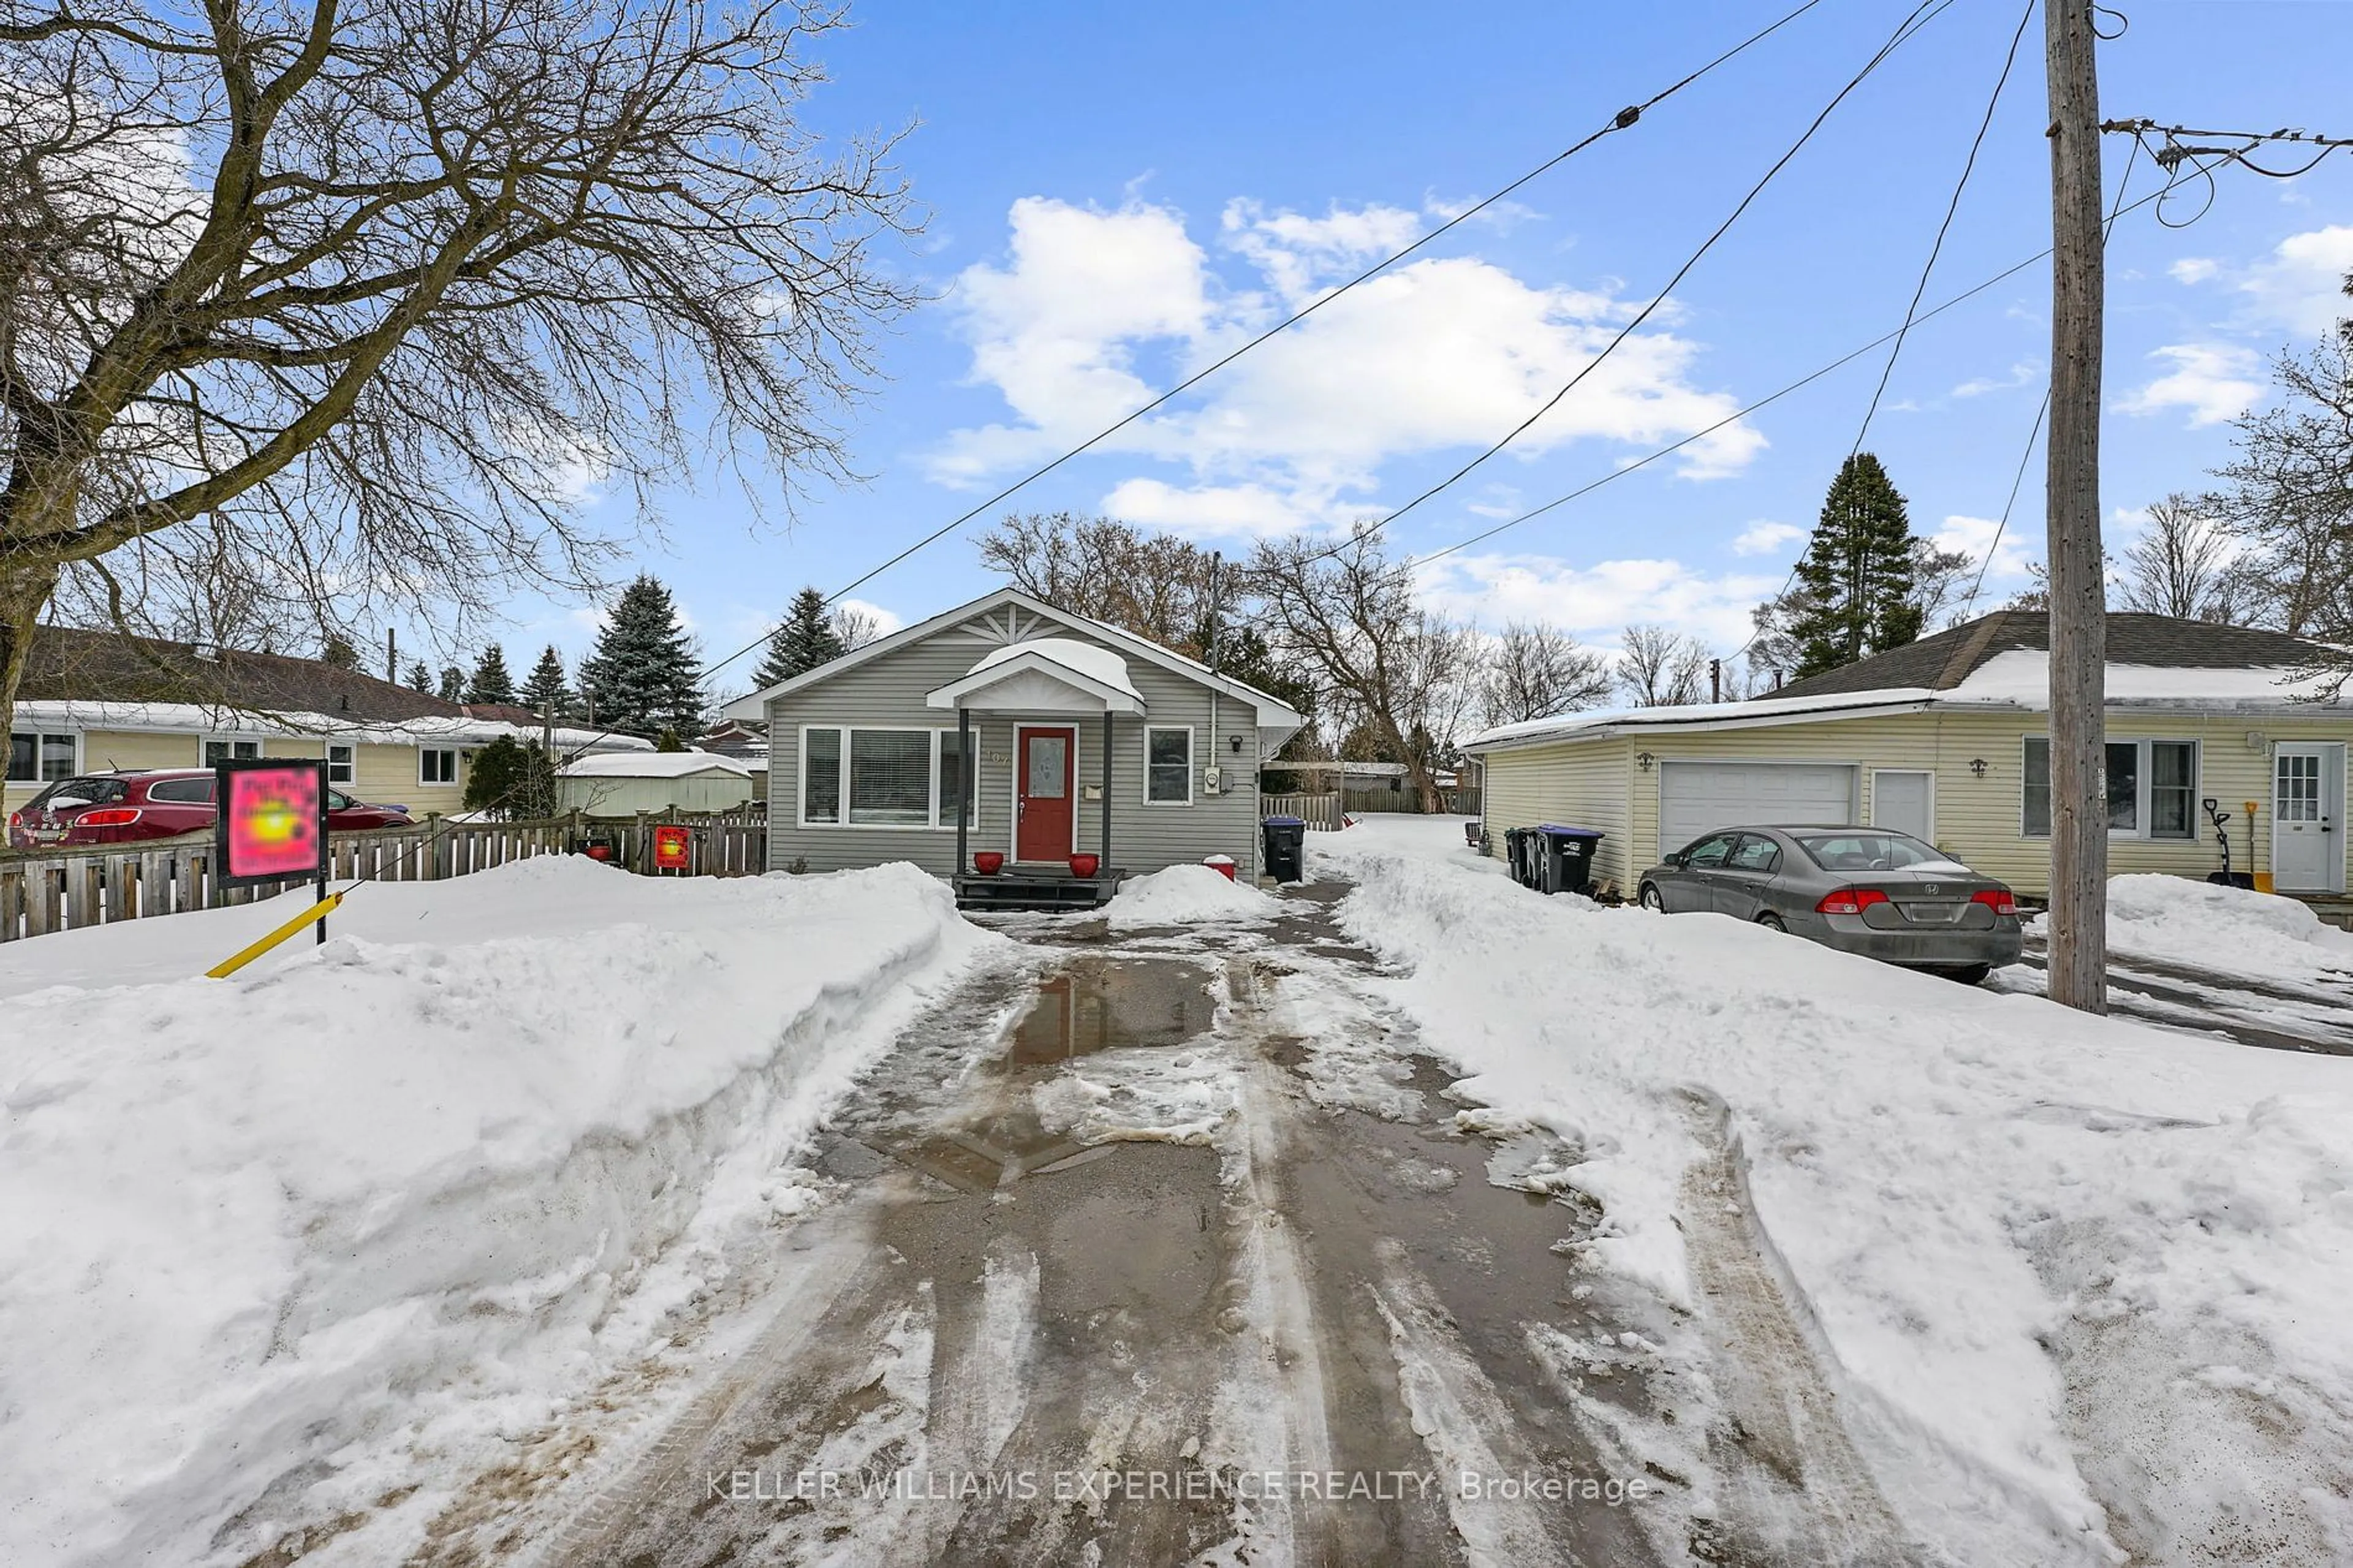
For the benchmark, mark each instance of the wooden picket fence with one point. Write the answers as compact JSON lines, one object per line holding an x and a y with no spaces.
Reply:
{"x":46,"y":890}
{"x":1320,"y":812}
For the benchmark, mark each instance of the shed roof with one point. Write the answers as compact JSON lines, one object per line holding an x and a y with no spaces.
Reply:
{"x":652,"y":765}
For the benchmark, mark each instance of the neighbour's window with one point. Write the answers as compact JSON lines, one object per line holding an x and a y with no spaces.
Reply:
{"x":342,"y":763}
{"x":219,"y":751}
{"x":183,"y":792}
{"x":1709,"y":852}
{"x":1754,"y":854}
{"x":1168,"y":766}
{"x":436,"y":764}
{"x":891,"y":777}
{"x":821,"y":775}
{"x":2150,"y":787}
{"x":951,"y":774}
{"x":35,"y":757}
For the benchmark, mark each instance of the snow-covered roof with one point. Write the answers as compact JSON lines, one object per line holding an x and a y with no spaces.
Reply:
{"x":652,"y":765}
{"x":2021,"y":677}
{"x":1698,"y":715}
{"x":1098,"y":664}
{"x":193,"y":718}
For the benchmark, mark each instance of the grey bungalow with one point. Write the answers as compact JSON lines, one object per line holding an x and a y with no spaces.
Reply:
{"x":1086,"y":739}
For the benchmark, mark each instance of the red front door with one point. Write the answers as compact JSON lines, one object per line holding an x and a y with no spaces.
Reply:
{"x":1042,"y":811}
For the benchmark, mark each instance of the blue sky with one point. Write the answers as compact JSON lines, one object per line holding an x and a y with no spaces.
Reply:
{"x":1118,"y":194}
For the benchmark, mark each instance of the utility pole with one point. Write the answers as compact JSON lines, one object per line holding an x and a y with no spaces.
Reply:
{"x":2079,"y":628}
{"x":391,"y":657}
{"x":1716,"y":680}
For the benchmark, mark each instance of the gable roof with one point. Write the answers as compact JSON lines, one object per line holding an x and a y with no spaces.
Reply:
{"x":65,"y":664}
{"x":1942,"y":662}
{"x":1272,"y":712}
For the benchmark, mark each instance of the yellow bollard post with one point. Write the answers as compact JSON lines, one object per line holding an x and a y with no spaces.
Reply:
{"x":316,"y":912}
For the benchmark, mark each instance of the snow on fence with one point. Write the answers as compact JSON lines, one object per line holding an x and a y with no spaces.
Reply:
{"x":64,"y":889}
{"x":1318,"y":811}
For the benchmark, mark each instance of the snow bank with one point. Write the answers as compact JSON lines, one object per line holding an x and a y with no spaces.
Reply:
{"x":2229,"y":928}
{"x":371,"y":1206}
{"x":2079,"y":1283}
{"x":1183,"y":894}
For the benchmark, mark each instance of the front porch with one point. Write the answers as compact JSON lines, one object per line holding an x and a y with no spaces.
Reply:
{"x":1036,"y":887}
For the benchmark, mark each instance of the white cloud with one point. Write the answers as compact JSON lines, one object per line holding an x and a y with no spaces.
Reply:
{"x":1441,"y":354}
{"x":2214,"y":381}
{"x":2024,"y":373}
{"x":2301,"y":285}
{"x":1973,"y":536}
{"x":1597,"y":602}
{"x":1212,"y":511}
{"x":1761,"y":538}
{"x":884,"y":621}
{"x":2193,"y":269}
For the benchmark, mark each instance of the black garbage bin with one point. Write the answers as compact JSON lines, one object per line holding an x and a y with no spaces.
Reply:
{"x":1516,"y":859}
{"x":1285,"y":840}
{"x":1565,"y":857}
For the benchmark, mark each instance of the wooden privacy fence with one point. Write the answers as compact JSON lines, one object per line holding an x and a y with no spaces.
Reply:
{"x":65,"y":890}
{"x":1321,"y":812}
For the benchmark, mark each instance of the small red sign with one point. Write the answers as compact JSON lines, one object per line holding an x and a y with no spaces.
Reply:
{"x":671,"y":848}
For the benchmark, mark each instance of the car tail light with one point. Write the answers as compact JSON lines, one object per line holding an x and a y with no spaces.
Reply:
{"x":1998,"y":899}
{"x":117,"y":816}
{"x":1850,"y":901}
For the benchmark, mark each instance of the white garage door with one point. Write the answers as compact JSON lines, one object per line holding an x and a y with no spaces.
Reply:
{"x":1696,"y":797}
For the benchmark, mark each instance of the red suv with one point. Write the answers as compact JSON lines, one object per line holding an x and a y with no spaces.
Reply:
{"x":124,"y":807}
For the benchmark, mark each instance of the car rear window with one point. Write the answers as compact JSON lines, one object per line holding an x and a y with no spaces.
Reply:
{"x":187,"y":792}
{"x":1868,"y":851}
{"x":92,"y":792}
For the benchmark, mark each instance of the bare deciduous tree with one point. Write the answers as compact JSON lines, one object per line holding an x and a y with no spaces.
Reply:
{"x":1660,"y":668}
{"x":1153,"y":585}
{"x":2181,"y":567}
{"x":2287,"y":497}
{"x":1387,"y":663}
{"x":1534,"y":671}
{"x":377,"y":290}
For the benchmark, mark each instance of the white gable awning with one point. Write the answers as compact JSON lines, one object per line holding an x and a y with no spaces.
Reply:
{"x":1049,"y":675}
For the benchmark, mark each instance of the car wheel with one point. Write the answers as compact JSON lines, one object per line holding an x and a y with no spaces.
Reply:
{"x":1772,"y":921}
{"x":1968,"y":973}
{"x":1653,"y":900}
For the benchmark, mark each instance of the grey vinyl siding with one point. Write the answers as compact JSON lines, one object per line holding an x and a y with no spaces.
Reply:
{"x":887,"y":691}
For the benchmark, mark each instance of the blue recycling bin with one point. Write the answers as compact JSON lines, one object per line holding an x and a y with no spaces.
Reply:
{"x":1564,"y":857}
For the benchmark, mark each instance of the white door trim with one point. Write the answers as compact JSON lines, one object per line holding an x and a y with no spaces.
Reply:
{"x":1928,"y":773}
{"x":2332,"y":808}
{"x":1013,"y":826}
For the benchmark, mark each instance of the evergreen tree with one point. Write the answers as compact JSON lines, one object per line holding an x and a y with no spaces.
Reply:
{"x":338,"y":651}
{"x":547,"y":691}
{"x":511,"y":781}
{"x":1857,"y":572}
{"x":808,"y":638}
{"x":643,"y":669}
{"x":490,"y":681}
{"x":453,"y":684}
{"x":668,"y":740}
{"x":419,"y":677}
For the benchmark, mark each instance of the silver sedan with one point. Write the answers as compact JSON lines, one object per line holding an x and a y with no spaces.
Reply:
{"x":1867,"y":891}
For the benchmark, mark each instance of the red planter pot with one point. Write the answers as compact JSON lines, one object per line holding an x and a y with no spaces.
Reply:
{"x":1085,"y":865}
{"x":988,"y":862}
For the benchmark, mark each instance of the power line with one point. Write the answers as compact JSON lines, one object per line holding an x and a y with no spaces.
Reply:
{"x":1623,"y":120}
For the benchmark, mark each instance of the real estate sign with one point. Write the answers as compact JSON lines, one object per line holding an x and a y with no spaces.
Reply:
{"x":273,"y":819}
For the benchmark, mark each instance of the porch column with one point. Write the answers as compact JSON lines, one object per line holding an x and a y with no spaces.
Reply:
{"x":1106,"y":790}
{"x":964,"y":780}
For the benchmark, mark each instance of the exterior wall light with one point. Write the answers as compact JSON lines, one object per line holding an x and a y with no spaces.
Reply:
{"x":1978,"y":766}
{"x":1643,"y":759}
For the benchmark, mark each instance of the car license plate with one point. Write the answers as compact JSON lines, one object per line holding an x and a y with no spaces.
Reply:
{"x":1933,"y":914}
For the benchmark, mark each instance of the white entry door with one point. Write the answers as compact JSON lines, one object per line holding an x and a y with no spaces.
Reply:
{"x":2307,"y":811}
{"x":1699,"y":798}
{"x":1905,"y":800}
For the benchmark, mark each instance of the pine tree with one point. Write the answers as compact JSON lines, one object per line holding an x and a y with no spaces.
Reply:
{"x":453,"y":684}
{"x":643,"y":670}
{"x":808,"y":638}
{"x":338,"y":651}
{"x":547,"y":691}
{"x":490,"y":682}
{"x":419,"y":677}
{"x":1857,"y":572}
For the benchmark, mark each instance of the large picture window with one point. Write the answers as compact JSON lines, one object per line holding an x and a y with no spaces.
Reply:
{"x":1168,"y":767}
{"x":880,"y":778}
{"x":35,"y":757}
{"x":2152,"y":789}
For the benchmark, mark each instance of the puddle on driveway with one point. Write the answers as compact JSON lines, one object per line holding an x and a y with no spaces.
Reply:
{"x":1099,"y":1004}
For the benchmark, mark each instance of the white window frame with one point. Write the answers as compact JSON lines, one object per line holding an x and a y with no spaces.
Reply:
{"x":1192,"y":762}
{"x":935,"y":819}
{"x":40,"y":735}
{"x":351,"y":765}
{"x":457,"y":756}
{"x":231,"y":741}
{"x":940,"y":817}
{"x":2144,"y":785}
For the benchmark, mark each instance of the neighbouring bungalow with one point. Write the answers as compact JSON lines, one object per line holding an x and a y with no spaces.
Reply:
{"x":623,"y":784}
{"x":97,"y":701}
{"x":1947,"y":739}
{"x":1085,"y":740}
